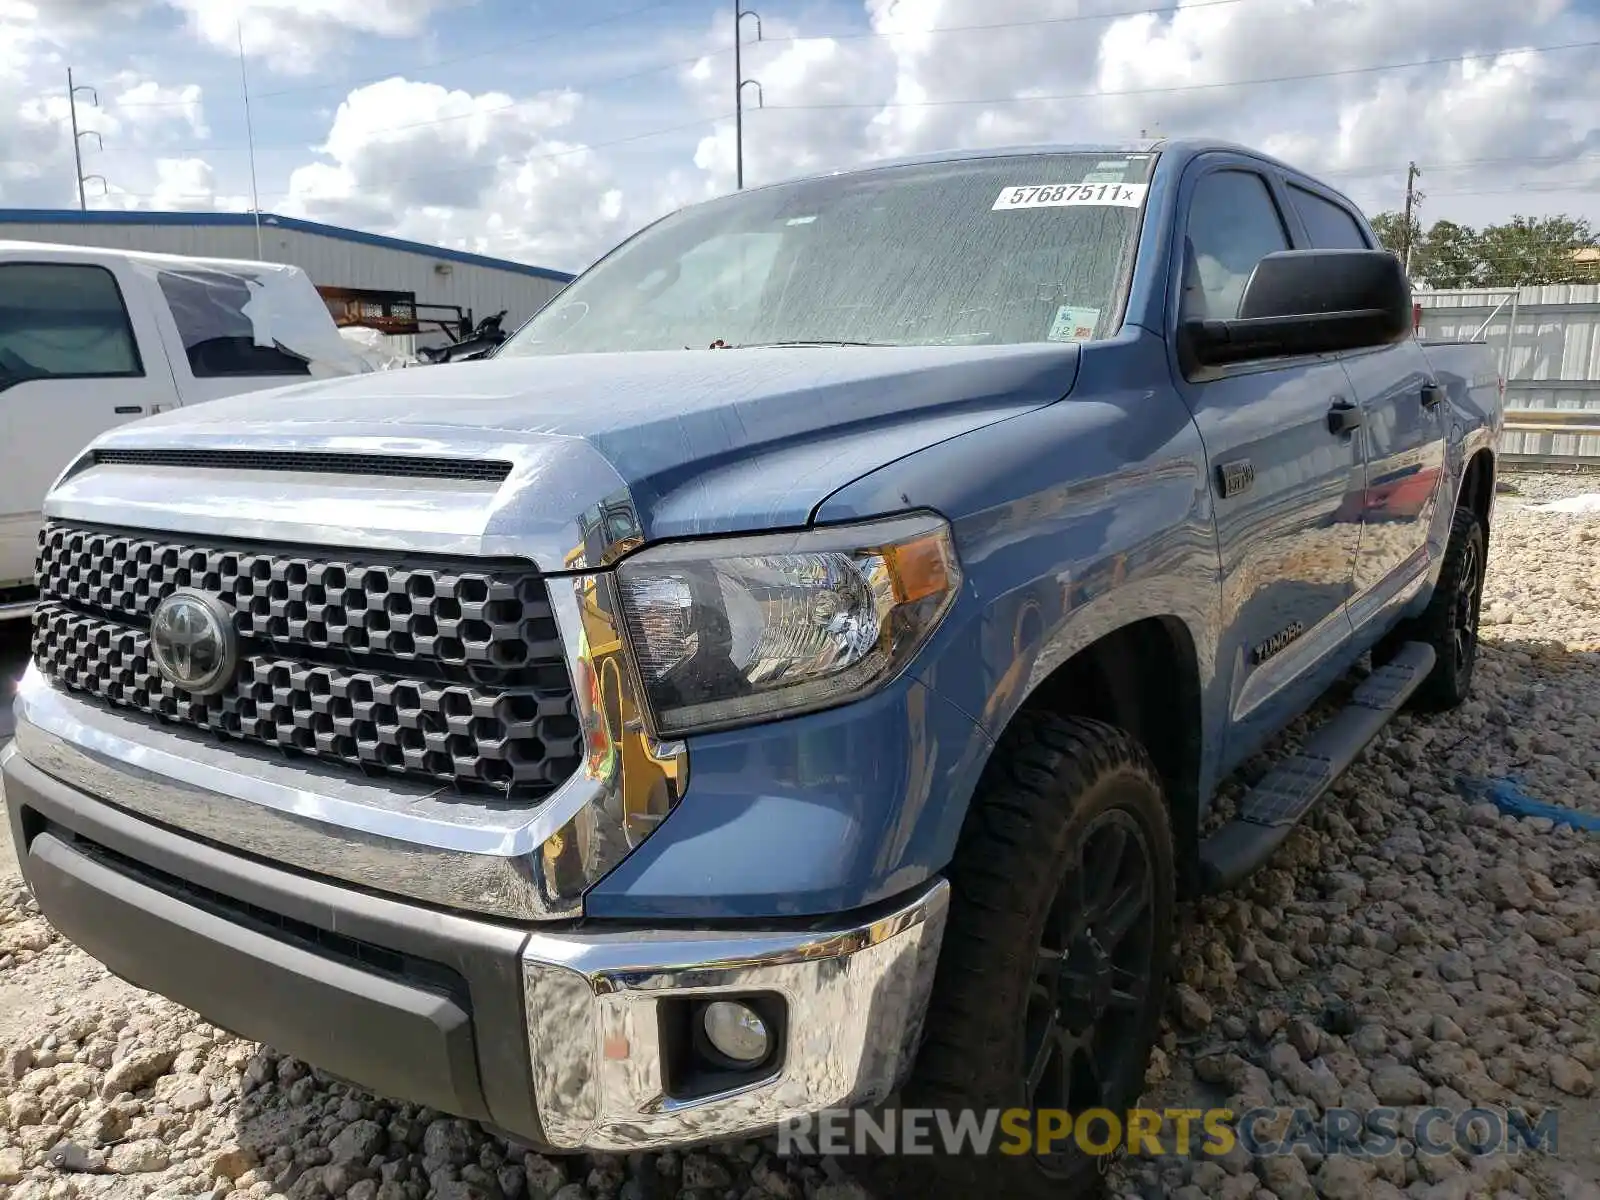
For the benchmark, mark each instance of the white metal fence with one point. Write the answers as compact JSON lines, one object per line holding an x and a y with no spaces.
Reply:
{"x":1547,"y":341}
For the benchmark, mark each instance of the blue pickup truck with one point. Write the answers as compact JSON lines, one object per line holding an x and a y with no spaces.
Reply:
{"x":794,"y":671}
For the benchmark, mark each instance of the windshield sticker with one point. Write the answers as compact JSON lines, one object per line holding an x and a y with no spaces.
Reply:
{"x":1073,"y":324}
{"x":1115,"y":164}
{"x":1105,"y":176}
{"x":800,"y":220}
{"x":1066,"y":195}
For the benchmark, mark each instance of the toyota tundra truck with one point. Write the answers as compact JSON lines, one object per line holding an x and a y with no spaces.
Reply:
{"x":793,"y":672}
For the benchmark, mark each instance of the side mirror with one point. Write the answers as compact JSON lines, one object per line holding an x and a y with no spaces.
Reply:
{"x":1310,"y":302}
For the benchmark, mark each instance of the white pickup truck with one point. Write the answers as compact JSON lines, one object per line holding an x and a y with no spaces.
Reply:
{"x":91,"y":338}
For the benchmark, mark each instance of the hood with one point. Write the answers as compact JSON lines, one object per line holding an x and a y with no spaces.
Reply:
{"x":647,"y":445}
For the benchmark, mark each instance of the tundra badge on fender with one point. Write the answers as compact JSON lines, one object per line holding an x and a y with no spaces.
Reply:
{"x":1275,"y":644}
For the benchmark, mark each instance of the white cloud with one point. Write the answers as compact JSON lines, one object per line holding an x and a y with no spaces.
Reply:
{"x":148,"y":105}
{"x":481,"y":172}
{"x":779,"y":143}
{"x":189,"y":184}
{"x":133,"y":114}
{"x":1052,"y":71}
{"x":294,"y":35}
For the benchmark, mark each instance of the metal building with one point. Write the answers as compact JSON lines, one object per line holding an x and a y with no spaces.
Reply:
{"x":1547,"y":340}
{"x":331,"y":256}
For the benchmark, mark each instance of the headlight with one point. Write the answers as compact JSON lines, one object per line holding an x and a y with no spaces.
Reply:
{"x":743,"y":629}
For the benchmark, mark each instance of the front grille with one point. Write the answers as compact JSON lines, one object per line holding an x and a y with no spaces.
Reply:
{"x":449,"y":671}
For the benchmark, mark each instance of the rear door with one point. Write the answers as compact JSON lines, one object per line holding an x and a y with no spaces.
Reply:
{"x":1403,"y":428}
{"x":76,"y":359}
{"x":1286,"y":485}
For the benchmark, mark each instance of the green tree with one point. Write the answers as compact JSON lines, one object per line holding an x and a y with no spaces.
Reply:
{"x":1450,"y":256}
{"x":1535,"y":250}
{"x":1391,"y":230}
{"x":1525,"y":251}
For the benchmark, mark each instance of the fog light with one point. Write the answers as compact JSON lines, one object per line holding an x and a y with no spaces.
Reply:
{"x":736,"y":1031}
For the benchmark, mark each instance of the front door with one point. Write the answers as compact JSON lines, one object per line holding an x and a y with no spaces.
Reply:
{"x":1286,"y":470}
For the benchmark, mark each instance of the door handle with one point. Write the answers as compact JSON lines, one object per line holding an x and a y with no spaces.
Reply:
{"x":1432,"y":394}
{"x":124,"y":409}
{"x":1344,"y":417}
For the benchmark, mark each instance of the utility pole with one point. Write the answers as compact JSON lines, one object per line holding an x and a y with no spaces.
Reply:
{"x":1413,"y":198}
{"x":77,"y":138}
{"x":739,"y":81}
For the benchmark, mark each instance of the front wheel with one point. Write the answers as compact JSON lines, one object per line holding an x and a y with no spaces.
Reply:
{"x":1053,"y":970}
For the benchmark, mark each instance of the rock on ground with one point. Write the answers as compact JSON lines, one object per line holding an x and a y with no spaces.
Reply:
{"x":1411,"y":945}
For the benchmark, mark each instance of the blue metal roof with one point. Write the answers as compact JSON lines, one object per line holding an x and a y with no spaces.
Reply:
{"x":236,"y":220}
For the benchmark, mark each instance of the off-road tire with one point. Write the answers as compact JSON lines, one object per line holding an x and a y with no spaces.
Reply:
{"x":1050,"y":778}
{"x":1457,"y":599}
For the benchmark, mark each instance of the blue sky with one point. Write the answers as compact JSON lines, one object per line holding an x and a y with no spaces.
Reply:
{"x":546,"y":131}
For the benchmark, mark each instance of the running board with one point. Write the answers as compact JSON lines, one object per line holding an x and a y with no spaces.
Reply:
{"x":1271,"y":810}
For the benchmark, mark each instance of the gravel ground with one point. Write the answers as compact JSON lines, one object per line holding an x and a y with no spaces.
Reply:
{"x":1410,"y":946}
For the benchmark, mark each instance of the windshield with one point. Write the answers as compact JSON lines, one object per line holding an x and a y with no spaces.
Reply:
{"x":1024,"y":248}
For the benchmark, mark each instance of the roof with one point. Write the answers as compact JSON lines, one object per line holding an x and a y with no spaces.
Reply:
{"x":235,"y":220}
{"x":175,"y":262}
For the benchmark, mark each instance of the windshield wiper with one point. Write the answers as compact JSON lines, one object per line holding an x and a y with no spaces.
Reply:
{"x":801,"y":342}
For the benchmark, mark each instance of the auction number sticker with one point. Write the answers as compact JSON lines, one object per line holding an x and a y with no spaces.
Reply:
{"x":1066,"y":195}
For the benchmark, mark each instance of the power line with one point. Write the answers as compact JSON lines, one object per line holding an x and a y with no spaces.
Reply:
{"x":1184,"y":87}
{"x":472,"y":56}
{"x":469,"y":114}
{"x":1369,"y":171}
{"x":836,"y":36}
{"x":525,"y":160}
{"x":501,"y":47}
{"x":1374,"y":170}
{"x":885,"y":34}
{"x":879,"y":105}
{"x":1550,"y":187}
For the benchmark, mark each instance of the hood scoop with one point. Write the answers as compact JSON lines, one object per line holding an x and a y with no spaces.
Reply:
{"x":392,"y":466}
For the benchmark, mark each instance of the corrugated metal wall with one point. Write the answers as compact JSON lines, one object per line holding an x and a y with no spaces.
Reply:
{"x":1548,"y":342}
{"x":326,"y":260}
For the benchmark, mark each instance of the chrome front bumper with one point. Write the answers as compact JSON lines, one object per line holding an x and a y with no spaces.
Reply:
{"x":855,"y":998}
{"x":554,"y":1037}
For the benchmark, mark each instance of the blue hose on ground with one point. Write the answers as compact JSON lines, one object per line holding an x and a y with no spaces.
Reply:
{"x":1506,"y":794}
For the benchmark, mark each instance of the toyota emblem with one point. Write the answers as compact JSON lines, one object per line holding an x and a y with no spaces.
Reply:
{"x":193,"y":643}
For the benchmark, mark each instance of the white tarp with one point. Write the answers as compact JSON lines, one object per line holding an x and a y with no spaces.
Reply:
{"x":274,"y":304}
{"x":383,"y":352}
{"x":1588,"y":503}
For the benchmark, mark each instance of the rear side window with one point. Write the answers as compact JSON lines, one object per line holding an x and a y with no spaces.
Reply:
{"x":1330,"y":225}
{"x":63,"y":321}
{"x":218,"y":336}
